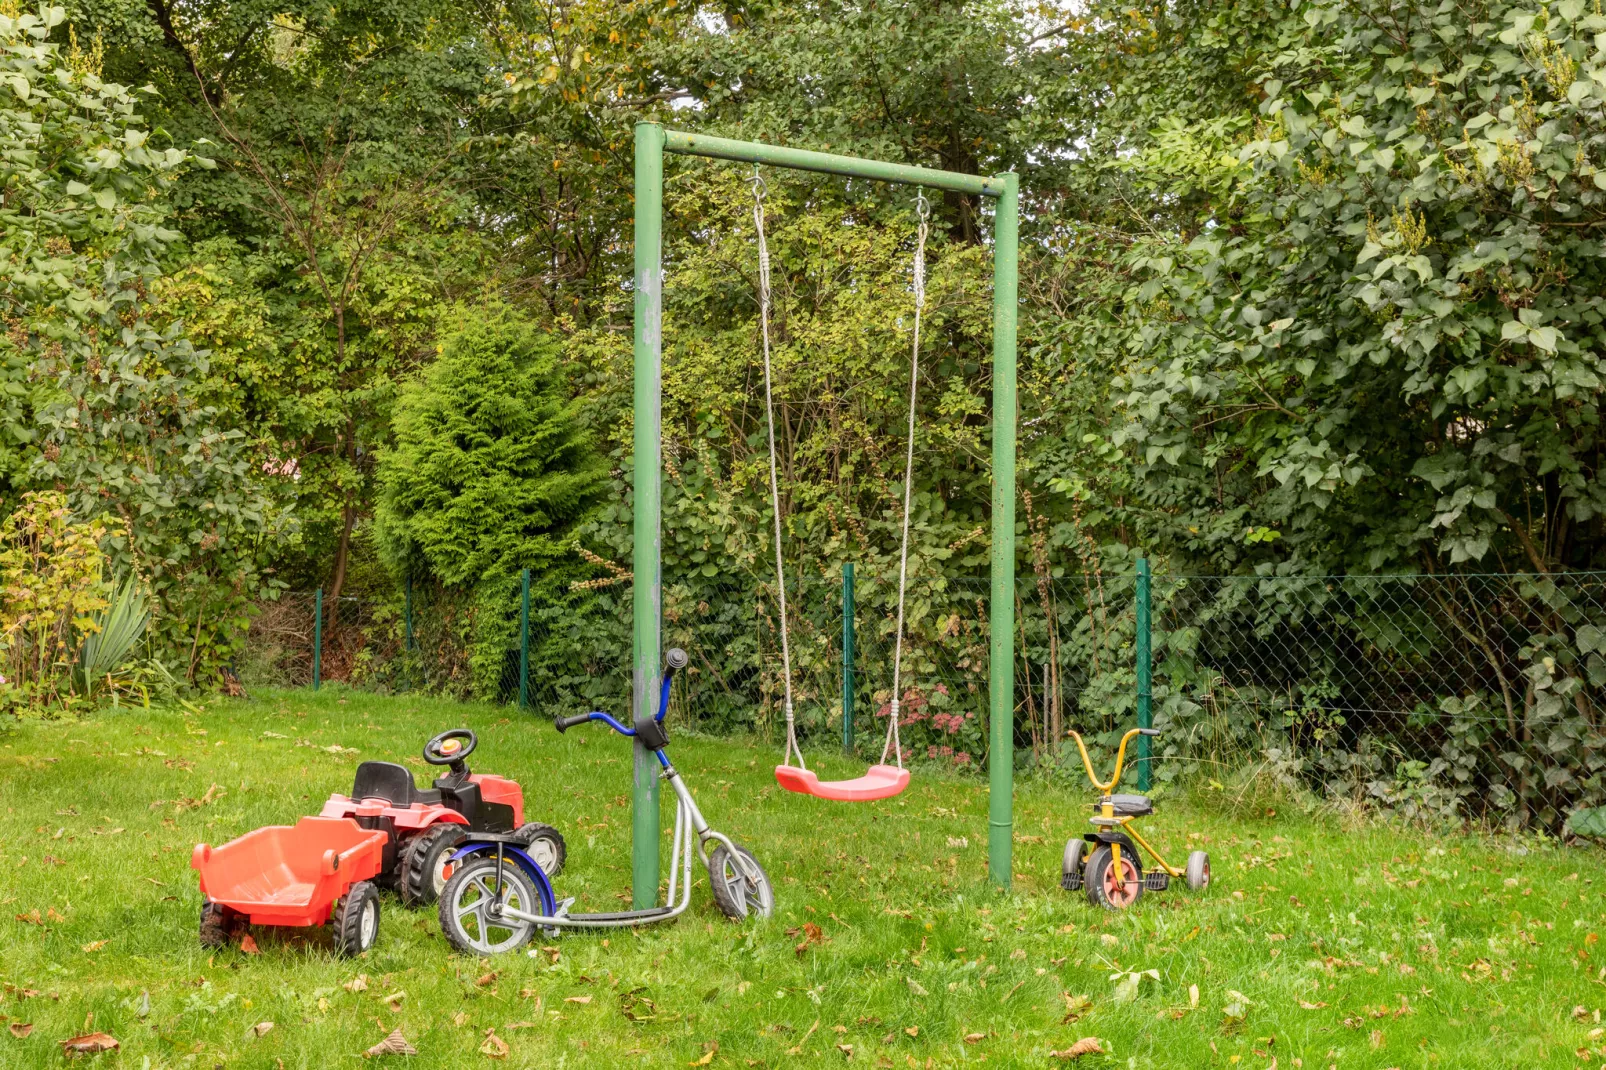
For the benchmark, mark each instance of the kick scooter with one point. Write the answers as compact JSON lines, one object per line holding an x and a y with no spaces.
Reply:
{"x":498,"y":897}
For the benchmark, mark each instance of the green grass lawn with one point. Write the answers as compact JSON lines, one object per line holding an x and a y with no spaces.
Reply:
{"x":1317,"y":945}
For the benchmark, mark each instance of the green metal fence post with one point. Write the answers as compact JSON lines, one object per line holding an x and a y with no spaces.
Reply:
{"x":1001,"y":612}
{"x":524,"y":640}
{"x":847,"y":657}
{"x":317,"y":638}
{"x":1145,"y":696}
{"x":407,"y":614}
{"x":646,"y":582}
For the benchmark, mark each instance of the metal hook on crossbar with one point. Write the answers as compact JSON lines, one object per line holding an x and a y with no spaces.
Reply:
{"x":922,"y":206}
{"x":760,"y":187}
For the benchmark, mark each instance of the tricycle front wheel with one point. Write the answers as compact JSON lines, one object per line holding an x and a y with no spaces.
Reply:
{"x":1111,"y":886}
{"x":356,"y":919}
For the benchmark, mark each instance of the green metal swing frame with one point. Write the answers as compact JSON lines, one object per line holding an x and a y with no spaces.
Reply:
{"x":652,"y":142}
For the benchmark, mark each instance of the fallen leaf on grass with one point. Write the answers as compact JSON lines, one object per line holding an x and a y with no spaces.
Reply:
{"x":708,"y":1053}
{"x":96,"y":946}
{"x":577,"y":999}
{"x":394,"y":1001}
{"x":797,"y":1048}
{"x":260,"y":1029}
{"x":248,"y":945}
{"x":1075,"y":1007}
{"x":913,"y":1030}
{"x":811,"y":935}
{"x":1085,"y":1046}
{"x":20,"y":1029}
{"x":33,"y":917}
{"x":975,"y":1038}
{"x":494,"y":1047}
{"x":89,"y":1043}
{"x":846,"y":1050}
{"x":460,"y":1019}
{"x":358,"y":983}
{"x":511,"y":1026}
{"x":486,"y":979}
{"x":915,"y":987}
{"x":395,"y":1044}
{"x":637,"y":1006}
{"x":1309,"y":1006}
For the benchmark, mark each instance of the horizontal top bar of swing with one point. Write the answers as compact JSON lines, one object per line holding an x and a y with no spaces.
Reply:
{"x":803,"y":160}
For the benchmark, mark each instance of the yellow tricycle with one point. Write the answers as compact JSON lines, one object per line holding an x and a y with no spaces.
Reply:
{"x":1105,"y":862}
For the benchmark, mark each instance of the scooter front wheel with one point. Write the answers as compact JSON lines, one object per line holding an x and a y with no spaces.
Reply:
{"x":740,"y":885}
{"x":472,"y":904}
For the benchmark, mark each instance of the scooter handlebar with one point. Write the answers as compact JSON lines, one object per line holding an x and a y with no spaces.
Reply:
{"x":563,"y":724}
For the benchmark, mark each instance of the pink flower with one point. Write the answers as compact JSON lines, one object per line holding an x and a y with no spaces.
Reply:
{"x":962,"y":758}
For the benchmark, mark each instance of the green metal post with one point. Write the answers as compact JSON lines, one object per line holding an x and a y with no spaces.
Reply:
{"x":1001,"y":613}
{"x":524,"y":640}
{"x":847,"y":657}
{"x":408,"y":613}
{"x":317,"y":639}
{"x":1145,"y":689}
{"x":646,"y":584}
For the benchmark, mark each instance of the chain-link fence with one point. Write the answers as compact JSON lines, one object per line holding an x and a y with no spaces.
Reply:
{"x":1473,"y":697}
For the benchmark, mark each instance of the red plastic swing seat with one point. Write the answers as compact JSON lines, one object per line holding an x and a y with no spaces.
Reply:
{"x":879,"y":782}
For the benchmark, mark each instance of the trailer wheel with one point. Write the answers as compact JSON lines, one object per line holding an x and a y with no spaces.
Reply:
{"x":356,"y":919}
{"x":218,"y":924}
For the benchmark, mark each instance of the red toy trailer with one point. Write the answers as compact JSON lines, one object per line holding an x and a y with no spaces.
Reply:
{"x":318,"y":870}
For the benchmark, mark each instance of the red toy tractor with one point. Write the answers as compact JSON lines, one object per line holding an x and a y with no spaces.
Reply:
{"x":388,"y":831}
{"x":423,"y":826}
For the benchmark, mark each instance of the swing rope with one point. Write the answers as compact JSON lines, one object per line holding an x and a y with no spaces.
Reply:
{"x":923,"y":211}
{"x":893,"y":744}
{"x":759,"y":190}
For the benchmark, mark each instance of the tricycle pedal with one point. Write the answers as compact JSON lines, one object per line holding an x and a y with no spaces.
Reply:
{"x":1156,"y":880}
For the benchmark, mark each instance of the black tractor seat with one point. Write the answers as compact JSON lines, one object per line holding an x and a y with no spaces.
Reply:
{"x":1126,"y":805}
{"x":393,"y":783}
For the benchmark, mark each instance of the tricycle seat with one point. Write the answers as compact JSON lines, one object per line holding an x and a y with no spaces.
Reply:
{"x":1126,"y":805}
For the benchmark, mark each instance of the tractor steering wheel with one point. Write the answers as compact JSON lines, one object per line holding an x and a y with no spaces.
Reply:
{"x":451,"y":747}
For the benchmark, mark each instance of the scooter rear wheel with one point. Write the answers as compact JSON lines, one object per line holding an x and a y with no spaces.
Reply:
{"x":741,"y":890}
{"x":470,"y":907}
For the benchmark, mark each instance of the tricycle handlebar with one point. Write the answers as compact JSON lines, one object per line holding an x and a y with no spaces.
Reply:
{"x":1120,"y":757}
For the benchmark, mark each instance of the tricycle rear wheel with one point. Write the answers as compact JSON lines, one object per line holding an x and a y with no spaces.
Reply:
{"x":356,"y":919}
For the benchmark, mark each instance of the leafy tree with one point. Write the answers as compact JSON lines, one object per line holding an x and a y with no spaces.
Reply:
{"x":491,"y":472}
{"x":102,"y":397}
